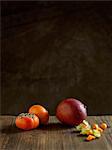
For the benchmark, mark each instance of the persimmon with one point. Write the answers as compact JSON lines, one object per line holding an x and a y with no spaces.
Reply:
{"x":41,"y":113}
{"x":27,"y":121}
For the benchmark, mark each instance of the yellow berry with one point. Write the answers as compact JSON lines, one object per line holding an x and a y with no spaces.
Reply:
{"x":103,"y":126}
{"x":90,"y":137}
{"x":95,"y":126}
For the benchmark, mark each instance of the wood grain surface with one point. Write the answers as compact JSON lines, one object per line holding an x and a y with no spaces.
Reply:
{"x":54,"y":136}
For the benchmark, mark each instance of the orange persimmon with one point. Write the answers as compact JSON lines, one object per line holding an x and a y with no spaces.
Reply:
{"x":27,"y":121}
{"x":40,"y":112}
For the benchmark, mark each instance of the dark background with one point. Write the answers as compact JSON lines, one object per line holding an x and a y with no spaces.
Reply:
{"x":54,"y":50}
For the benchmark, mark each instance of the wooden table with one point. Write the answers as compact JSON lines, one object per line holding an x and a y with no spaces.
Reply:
{"x":54,"y":136}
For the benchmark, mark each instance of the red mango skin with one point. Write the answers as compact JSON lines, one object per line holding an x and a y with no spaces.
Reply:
{"x":71,"y":112}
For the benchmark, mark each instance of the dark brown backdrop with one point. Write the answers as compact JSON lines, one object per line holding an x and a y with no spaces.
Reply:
{"x":54,"y":50}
